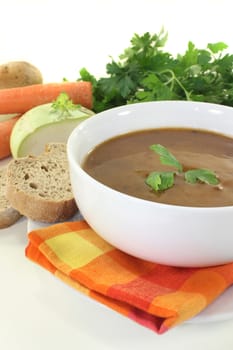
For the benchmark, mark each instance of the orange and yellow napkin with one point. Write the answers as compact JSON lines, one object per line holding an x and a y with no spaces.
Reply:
{"x":156,"y":296}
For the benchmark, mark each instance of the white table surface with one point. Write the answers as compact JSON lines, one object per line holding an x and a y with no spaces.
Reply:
{"x":39,"y":312}
{"x":36,"y":310}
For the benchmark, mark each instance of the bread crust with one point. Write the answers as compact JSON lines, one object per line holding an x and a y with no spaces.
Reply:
{"x":38,"y":209}
{"x":8,"y":215}
{"x":35,"y":203}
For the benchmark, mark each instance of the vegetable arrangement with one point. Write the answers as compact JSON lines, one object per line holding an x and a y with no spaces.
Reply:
{"x":146,"y":72}
{"x":20,"y":100}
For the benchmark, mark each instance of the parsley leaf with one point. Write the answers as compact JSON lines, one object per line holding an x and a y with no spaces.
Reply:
{"x":215,"y":48}
{"x":201,"y":175}
{"x":166,"y":157}
{"x":160,"y":181}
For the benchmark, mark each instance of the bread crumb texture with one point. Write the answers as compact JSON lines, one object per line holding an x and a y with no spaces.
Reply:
{"x":4,"y":203}
{"x":48,"y":179}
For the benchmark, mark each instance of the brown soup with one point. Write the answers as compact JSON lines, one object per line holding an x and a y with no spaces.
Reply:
{"x":124,"y":162}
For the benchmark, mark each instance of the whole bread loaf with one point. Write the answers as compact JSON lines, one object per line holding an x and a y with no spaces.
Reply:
{"x":39,"y":186}
{"x":8,"y":215}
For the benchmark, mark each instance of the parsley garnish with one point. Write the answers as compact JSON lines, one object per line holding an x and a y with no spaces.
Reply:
{"x":166,"y":157}
{"x":160,"y":181}
{"x":163,"y":180}
{"x":202,"y":175}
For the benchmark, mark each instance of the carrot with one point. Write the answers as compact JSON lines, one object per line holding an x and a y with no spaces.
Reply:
{"x":5,"y":133}
{"x":21,"y":99}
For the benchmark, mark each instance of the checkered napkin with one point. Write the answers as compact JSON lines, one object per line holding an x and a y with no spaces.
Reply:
{"x":156,"y":296}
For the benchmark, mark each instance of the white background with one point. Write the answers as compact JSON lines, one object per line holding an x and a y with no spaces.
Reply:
{"x":38,"y":312}
{"x":62,"y":36}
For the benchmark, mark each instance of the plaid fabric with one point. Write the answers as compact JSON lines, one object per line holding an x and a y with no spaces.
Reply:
{"x":156,"y":296}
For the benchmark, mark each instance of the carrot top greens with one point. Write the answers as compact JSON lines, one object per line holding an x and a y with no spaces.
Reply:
{"x":163,"y":180}
{"x":147,"y":72}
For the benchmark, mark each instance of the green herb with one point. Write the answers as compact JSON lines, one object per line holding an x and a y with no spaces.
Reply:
{"x":64,"y":104}
{"x":166,"y":157}
{"x":160,"y":181}
{"x":163,"y":180}
{"x":202,"y":175}
{"x":145,"y":71}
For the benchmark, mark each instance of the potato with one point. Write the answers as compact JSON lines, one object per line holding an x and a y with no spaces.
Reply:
{"x":19,"y":73}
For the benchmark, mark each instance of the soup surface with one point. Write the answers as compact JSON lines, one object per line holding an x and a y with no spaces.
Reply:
{"x":124,"y":162}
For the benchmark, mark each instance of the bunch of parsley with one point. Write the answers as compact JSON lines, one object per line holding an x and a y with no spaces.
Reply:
{"x":146,"y":72}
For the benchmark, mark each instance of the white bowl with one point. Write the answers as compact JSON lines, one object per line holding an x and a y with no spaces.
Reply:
{"x":167,"y":234}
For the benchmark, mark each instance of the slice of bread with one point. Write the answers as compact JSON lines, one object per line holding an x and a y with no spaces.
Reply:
{"x":8,"y":215}
{"x":39,"y":186}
